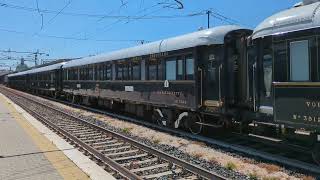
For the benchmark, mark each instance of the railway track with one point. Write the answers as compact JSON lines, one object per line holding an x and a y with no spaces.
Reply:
{"x":292,"y":157}
{"x":127,"y":158}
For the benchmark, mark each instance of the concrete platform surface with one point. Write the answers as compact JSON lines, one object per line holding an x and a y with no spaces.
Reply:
{"x":29,"y":150}
{"x":20,"y":158}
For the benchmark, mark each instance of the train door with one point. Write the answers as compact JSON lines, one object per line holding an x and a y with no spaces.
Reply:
{"x":252,"y":76}
{"x":210,"y":67}
{"x":263,"y":77}
{"x":58,"y":80}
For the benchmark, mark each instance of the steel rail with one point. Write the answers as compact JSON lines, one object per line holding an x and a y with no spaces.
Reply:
{"x":190,"y":167}
{"x":291,"y":163}
{"x":123,"y":171}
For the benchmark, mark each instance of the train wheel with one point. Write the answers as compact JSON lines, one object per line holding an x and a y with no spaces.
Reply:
{"x":316,"y":153}
{"x":194,"y":124}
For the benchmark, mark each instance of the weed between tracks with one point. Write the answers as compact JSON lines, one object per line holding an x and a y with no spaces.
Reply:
{"x":127,"y":130}
{"x":231,"y":166}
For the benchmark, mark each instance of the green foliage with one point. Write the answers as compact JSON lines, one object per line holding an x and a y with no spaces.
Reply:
{"x":126,"y":130}
{"x":231,"y":166}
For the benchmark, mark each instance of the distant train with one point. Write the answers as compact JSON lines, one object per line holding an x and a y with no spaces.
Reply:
{"x":223,"y":77}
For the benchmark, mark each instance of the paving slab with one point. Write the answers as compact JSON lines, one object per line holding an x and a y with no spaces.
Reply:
{"x":20,"y":158}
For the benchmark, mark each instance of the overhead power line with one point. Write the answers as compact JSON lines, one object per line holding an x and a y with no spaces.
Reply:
{"x":177,"y":4}
{"x":58,"y":13}
{"x":98,"y":16}
{"x":69,"y":38}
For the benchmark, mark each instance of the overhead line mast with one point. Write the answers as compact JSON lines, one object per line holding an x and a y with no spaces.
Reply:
{"x":209,"y":14}
{"x":36,"y":54}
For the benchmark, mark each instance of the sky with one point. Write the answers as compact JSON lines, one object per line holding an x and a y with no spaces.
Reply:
{"x":79,"y":28}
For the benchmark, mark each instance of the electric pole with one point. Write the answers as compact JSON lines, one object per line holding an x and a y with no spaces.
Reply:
{"x":36,"y":57}
{"x":209,"y":13}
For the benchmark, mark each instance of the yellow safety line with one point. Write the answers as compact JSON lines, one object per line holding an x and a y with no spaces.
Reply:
{"x":64,"y":166}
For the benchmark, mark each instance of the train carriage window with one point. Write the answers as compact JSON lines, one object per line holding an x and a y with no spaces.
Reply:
{"x":101,"y":74}
{"x":76,"y":74}
{"x":90,"y":69}
{"x":189,"y":68}
{"x":125,"y":72}
{"x":69,"y":74}
{"x":143,"y":70}
{"x":171,"y":69}
{"x":280,"y":62}
{"x":152,"y":69}
{"x":136,"y":71}
{"x":161,"y":66}
{"x":84,"y":73}
{"x":108,"y":72}
{"x":180,"y":74}
{"x":299,"y":61}
{"x":95,"y":72}
{"x":64,"y":75}
{"x":120,"y":72}
{"x":114,"y":73}
{"x":87,"y":76}
{"x":104,"y":72}
{"x":53,"y":77}
{"x":267,"y":71}
{"x":129,"y":71}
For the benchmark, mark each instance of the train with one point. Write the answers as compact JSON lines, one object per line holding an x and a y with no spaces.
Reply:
{"x":226,"y":77}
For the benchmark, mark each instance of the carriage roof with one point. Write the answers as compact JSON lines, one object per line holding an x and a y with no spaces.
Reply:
{"x":291,"y":20}
{"x":38,"y":70}
{"x":205,"y":37}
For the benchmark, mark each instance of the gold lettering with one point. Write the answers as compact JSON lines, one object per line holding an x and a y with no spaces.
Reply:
{"x":310,"y":119}
{"x":308,"y":104}
{"x":314,"y":104}
{"x":306,"y":118}
{"x":295,"y":117}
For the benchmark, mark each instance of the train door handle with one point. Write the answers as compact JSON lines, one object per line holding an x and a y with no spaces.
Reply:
{"x":201,"y":86}
{"x":220,"y":69}
{"x":254,"y":67}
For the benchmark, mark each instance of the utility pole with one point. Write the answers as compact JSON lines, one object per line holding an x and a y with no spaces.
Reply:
{"x":36,"y":54}
{"x":36,"y":58}
{"x":209,"y":13}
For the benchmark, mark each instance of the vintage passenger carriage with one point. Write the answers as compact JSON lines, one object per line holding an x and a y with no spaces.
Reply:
{"x":285,"y":59}
{"x":182,"y":78}
{"x":44,"y":80}
{"x":287,"y":66}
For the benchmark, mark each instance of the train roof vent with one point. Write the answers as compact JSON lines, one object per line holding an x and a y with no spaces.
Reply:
{"x":306,"y":2}
{"x":294,"y":19}
{"x":298,"y":4}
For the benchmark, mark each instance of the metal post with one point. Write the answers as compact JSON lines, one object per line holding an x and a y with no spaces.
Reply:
{"x":209,"y":13}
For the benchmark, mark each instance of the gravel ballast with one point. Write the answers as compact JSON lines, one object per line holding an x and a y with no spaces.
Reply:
{"x":225,"y":163}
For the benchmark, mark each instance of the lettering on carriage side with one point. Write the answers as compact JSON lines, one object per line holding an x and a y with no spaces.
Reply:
{"x":306,"y":118}
{"x":180,"y":101}
{"x":169,"y":93}
{"x":313,"y":104}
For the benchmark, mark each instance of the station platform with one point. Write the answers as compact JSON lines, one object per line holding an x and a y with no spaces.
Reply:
{"x":29,"y":150}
